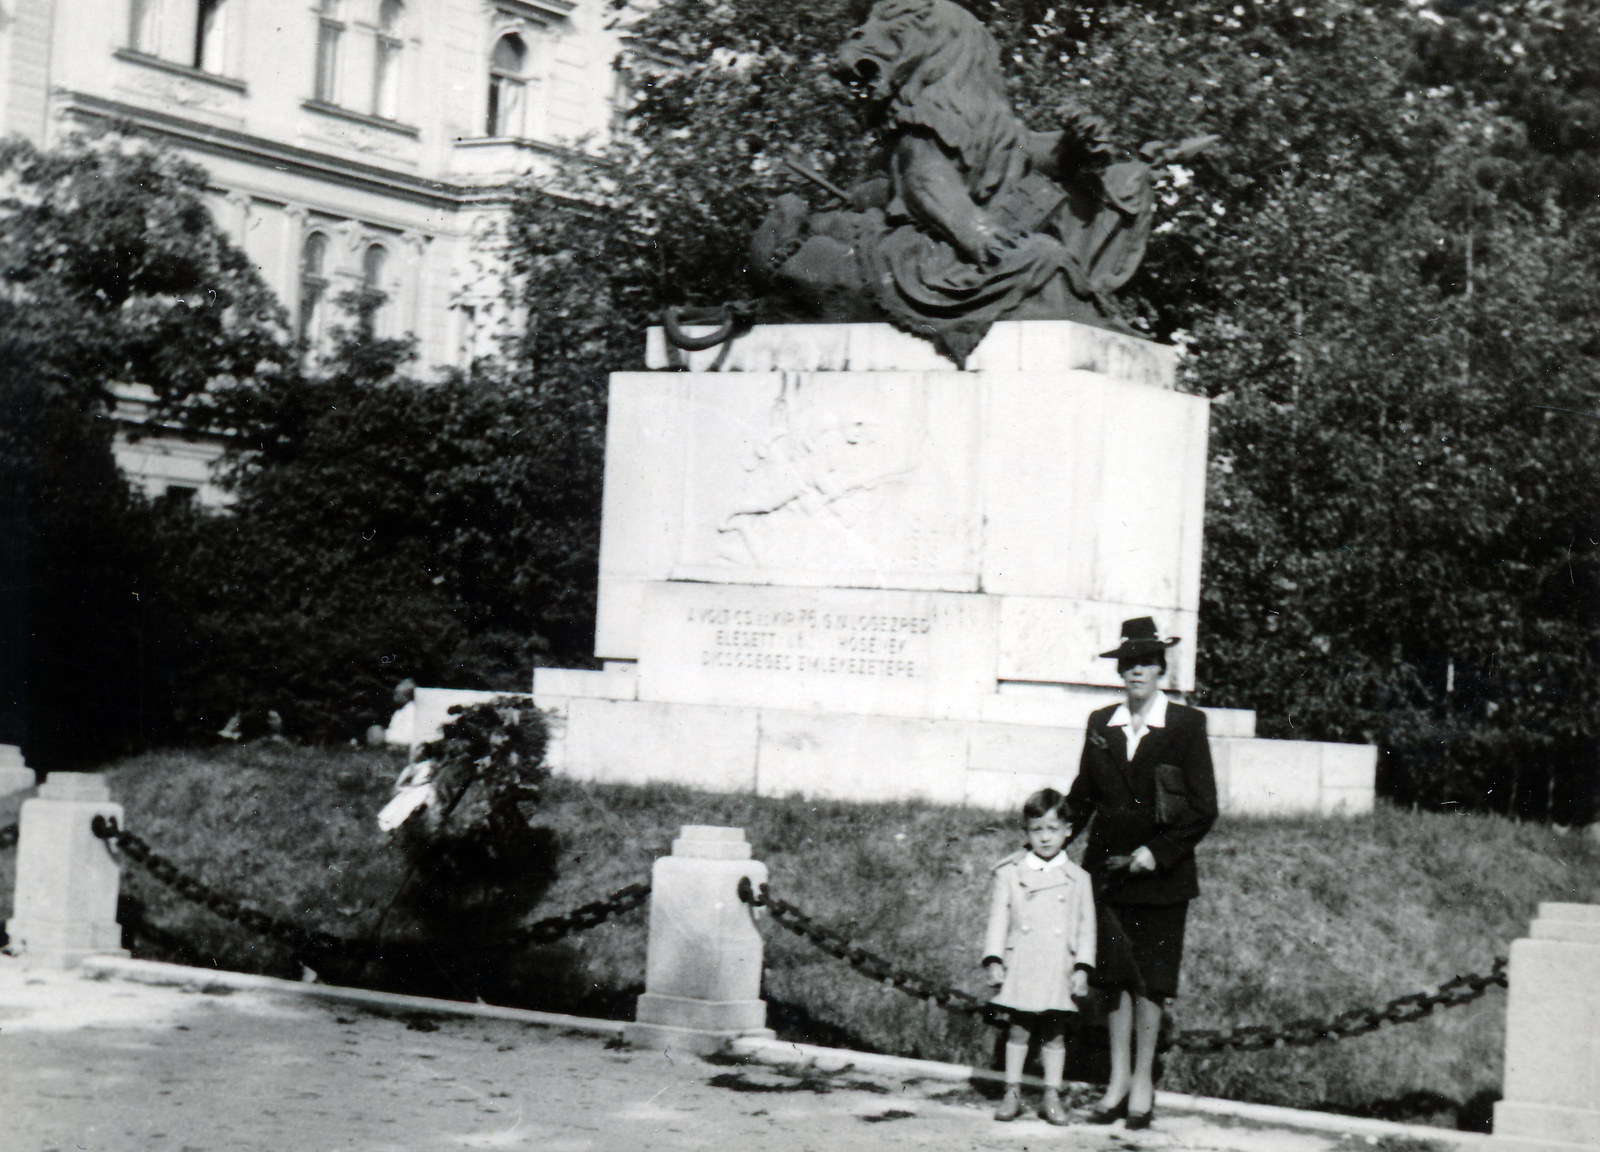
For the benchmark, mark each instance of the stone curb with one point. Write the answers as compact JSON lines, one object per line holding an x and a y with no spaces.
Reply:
{"x":153,"y":972}
{"x":786,"y":1054}
{"x":777,"y":1053}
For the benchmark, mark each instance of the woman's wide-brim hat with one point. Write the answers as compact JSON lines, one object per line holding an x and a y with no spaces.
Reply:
{"x":1139,"y":638}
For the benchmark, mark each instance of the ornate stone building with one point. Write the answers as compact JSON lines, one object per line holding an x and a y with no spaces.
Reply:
{"x":349,"y":142}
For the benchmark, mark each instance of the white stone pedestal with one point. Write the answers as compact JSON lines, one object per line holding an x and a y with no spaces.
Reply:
{"x":841,"y":568}
{"x":15,"y":775}
{"x":703,"y":969}
{"x":1552,"y":1077}
{"x":65,"y":907}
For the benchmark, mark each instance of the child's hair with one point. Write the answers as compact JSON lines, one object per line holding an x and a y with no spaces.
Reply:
{"x":1044,"y":802}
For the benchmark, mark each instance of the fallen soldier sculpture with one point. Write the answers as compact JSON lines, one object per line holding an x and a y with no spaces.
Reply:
{"x":975,"y":218}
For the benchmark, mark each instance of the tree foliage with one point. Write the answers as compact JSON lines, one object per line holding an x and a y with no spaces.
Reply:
{"x":114,"y":272}
{"x":387,"y":528}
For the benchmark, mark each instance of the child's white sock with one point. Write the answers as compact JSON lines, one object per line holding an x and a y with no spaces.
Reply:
{"x":1054,"y":1059}
{"x":1015,"y":1055}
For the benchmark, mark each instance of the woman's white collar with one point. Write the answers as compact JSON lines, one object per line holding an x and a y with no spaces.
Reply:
{"x":1155,"y":718}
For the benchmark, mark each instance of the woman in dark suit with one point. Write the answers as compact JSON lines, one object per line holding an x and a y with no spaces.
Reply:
{"x":1146,"y":776}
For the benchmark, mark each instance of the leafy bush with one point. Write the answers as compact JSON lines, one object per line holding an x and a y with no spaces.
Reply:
{"x":387,"y":528}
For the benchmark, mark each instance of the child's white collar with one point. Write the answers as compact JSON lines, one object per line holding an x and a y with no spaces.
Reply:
{"x":1038,"y":864}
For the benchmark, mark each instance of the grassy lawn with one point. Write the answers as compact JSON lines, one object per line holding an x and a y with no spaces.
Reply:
{"x":1300,"y":917}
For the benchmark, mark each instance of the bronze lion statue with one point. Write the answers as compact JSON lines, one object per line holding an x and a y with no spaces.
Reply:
{"x":974,"y":218}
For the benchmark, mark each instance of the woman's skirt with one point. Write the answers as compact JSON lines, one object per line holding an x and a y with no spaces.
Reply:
{"x":1140,"y":948}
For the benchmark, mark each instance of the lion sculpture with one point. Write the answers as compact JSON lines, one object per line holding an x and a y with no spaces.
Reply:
{"x":976,"y":218}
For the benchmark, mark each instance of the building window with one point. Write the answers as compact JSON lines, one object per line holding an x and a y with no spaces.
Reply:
{"x":330,"y":27}
{"x":386,"y":64}
{"x":507,"y":86}
{"x":211,"y":35}
{"x":313,"y":288}
{"x":144,"y":26}
{"x":374,"y":281}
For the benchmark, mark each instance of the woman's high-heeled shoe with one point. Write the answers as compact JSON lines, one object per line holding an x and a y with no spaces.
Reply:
{"x":1116,"y":1112}
{"x":1139,"y":1120}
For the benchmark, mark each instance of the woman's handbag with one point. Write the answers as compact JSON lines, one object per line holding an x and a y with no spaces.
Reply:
{"x":1173,"y":809}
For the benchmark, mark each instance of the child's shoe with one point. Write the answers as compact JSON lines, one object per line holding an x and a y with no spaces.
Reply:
{"x":1010,"y":1104}
{"x":1051,"y":1109}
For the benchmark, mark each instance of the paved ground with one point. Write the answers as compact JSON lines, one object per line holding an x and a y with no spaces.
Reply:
{"x":103,"y":1065}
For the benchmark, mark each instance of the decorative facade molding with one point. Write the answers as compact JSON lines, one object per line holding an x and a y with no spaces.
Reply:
{"x":242,"y":146}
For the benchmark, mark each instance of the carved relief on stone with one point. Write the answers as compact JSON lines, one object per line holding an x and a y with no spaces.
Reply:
{"x":834,"y":483}
{"x":175,"y":91}
{"x":359,"y":138}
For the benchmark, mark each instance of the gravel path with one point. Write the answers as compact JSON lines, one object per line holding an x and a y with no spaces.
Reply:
{"x":109,"y":1066}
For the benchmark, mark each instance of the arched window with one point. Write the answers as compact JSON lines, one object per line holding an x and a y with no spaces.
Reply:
{"x":330,"y":27}
{"x":386,"y":65}
{"x":211,"y":35}
{"x":144,"y":26}
{"x":507,"y":86}
{"x":313,"y":287}
{"x":375,"y":278}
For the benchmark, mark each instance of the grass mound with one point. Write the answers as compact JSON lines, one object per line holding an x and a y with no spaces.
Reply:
{"x":1299,"y":917}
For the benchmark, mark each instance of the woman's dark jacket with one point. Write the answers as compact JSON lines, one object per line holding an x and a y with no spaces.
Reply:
{"x":1122,"y":796}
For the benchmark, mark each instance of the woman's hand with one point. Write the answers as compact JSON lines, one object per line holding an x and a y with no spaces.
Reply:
{"x":997,"y":973}
{"x":1080,"y":984}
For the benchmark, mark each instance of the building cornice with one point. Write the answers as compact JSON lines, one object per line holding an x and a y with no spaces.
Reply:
{"x":323,"y":108}
{"x":232,"y":144}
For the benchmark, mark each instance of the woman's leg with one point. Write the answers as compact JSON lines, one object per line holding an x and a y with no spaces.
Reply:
{"x":1119,"y":1023}
{"x":1147,"y":1027}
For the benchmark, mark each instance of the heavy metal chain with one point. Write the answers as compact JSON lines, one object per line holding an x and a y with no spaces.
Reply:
{"x":582,"y":918}
{"x":8,"y":836}
{"x":303,"y":940}
{"x":1356,"y":1022}
{"x":1252,"y":1038}
{"x":869,"y":964}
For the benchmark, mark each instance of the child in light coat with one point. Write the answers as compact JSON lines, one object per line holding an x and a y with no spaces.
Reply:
{"x":1039,"y":948}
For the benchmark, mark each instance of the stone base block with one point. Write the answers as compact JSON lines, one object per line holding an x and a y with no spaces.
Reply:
{"x":631,"y":742}
{"x":52,"y":945}
{"x":1520,"y":1127}
{"x":662,"y":1038}
{"x":1040,"y":346}
{"x":777,"y":752}
{"x":617,"y":681}
{"x":424,"y":718}
{"x":1005,"y":791}
{"x":15,"y":780}
{"x":836,"y":757}
{"x":740,"y":1017}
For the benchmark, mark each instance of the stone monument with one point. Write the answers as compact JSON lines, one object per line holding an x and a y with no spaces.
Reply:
{"x":874,"y":555}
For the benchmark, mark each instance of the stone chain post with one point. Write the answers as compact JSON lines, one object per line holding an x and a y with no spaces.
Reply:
{"x":15,"y":775}
{"x":1552,"y":1079}
{"x":703,"y":968}
{"x":65,"y":906}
